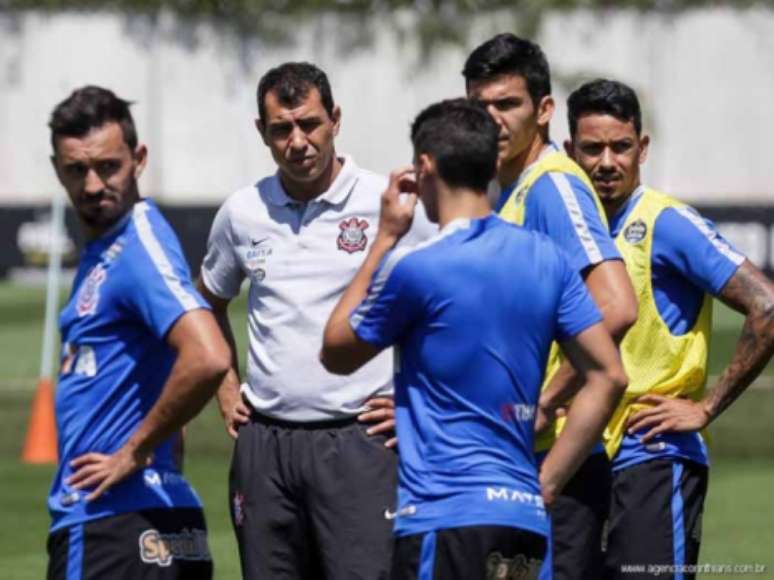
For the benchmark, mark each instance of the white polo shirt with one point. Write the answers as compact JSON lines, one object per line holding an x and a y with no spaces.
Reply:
{"x":299,"y":258}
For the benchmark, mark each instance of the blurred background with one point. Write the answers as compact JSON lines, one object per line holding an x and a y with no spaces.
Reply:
{"x":704,"y":72}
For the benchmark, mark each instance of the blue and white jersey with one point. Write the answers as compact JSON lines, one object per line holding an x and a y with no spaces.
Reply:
{"x":689,"y":258}
{"x":561,"y":206}
{"x":473,"y":312}
{"x":132,"y":285}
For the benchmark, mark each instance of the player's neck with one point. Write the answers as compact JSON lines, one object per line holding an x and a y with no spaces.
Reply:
{"x":509,"y":171}
{"x":614,"y":206}
{"x":307,"y":191}
{"x":455,"y":203}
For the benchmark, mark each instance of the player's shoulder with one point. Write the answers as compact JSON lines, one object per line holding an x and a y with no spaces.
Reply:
{"x":149,"y":243}
{"x":683,"y":229}
{"x":673,"y":216}
{"x":558,"y":191}
{"x":561,"y":183}
{"x":150,"y":225}
{"x":420,"y":256}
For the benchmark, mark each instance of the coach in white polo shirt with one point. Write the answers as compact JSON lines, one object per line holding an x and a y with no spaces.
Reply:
{"x":313,"y":472}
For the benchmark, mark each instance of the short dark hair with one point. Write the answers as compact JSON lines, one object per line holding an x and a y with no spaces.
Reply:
{"x":291,"y":82}
{"x":604,"y":97}
{"x":507,"y":54}
{"x":462,"y":139}
{"x":90,"y":107}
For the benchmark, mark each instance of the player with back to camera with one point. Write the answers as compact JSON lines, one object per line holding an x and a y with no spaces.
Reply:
{"x":543,"y":190}
{"x":468,"y":375}
{"x":312,"y":472}
{"x":141,"y":355}
{"x":677,"y":261}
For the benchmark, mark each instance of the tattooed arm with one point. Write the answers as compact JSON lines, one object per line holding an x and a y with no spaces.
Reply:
{"x":750,"y":292}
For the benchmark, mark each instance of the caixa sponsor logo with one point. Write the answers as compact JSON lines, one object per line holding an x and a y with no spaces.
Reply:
{"x":517,"y":412}
{"x":163,"y":549}
{"x":506,"y":494}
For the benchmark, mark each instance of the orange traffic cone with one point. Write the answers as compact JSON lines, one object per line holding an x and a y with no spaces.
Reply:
{"x":40,"y":444}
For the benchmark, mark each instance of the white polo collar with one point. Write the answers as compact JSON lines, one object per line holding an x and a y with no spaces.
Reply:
{"x":338,"y":192}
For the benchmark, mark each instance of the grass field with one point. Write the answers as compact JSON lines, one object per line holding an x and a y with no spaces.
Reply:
{"x":738,"y":526}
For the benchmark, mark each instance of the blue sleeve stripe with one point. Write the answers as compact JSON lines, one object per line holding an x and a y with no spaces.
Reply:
{"x":151,"y":244}
{"x":576,"y":217}
{"x":392,"y":260}
{"x":719,"y":244}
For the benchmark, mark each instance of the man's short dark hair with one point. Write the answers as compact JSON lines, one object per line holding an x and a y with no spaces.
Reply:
{"x":88,"y":108}
{"x":462,"y":139}
{"x":604,"y":97}
{"x":507,"y":54}
{"x":291,"y":82}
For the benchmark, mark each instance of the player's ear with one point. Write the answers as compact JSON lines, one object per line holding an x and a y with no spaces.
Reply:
{"x":261,"y":128}
{"x":140,"y":156}
{"x":336,"y":118}
{"x":644,"y":144}
{"x":545,"y":110}
{"x":426,"y":166}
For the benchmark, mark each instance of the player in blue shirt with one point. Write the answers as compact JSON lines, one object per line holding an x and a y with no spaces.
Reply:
{"x":141,"y":355}
{"x":468,"y":375}
{"x":678,"y":262}
{"x":545,"y":191}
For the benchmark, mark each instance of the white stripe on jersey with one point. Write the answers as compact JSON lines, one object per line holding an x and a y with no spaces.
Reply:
{"x":378,"y":284}
{"x":576,"y":216}
{"x":711,"y":235}
{"x":159,"y":258}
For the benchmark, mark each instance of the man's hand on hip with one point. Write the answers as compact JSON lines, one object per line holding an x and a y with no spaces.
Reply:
{"x":234,"y":410}
{"x":381,"y":412}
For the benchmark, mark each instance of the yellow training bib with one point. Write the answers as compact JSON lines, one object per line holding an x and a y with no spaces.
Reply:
{"x":655,"y":360}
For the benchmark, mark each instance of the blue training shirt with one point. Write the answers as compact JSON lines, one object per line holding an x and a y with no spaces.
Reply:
{"x":562,"y":207}
{"x":132,"y":285}
{"x":689,"y":258}
{"x":473,"y":312}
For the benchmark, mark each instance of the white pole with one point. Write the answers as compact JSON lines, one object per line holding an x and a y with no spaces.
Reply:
{"x":55,"y":237}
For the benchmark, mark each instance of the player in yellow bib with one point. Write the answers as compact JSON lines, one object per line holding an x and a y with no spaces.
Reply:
{"x":677,"y":262}
{"x":543,"y":190}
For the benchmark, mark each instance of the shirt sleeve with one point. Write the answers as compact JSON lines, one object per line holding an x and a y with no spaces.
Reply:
{"x":390,"y":306}
{"x":562,"y":207}
{"x":691,"y":246}
{"x":577,"y":310}
{"x":221,"y":270}
{"x":159,"y":288}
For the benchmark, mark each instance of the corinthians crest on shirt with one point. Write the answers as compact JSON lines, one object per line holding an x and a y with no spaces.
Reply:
{"x":88,"y":295}
{"x":635,"y":232}
{"x":352,"y":236}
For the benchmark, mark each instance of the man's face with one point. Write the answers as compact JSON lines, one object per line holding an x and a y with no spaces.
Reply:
{"x":300,"y":137}
{"x":508,"y":101}
{"x":610,"y":152}
{"x":99,"y":172}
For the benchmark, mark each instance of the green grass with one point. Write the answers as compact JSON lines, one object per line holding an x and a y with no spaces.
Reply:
{"x":737,"y":523}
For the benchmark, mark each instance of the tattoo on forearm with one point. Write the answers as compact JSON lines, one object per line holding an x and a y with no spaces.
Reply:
{"x":750,"y":292}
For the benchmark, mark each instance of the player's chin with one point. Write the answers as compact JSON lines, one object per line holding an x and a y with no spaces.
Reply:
{"x":608,"y":190}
